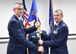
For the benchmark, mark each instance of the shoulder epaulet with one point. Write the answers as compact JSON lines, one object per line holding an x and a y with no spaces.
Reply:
{"x":64,"y":25}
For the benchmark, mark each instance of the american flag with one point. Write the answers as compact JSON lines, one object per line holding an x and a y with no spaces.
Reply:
{"x":25,"y":18}
{"x":25,"y":14}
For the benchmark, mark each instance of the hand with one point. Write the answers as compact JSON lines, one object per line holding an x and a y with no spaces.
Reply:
{"x":40,"y":42}
{"x":41,"y":49}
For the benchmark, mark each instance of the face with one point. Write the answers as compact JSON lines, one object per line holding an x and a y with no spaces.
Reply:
{"x":39,"y":29}
{"x":57,"y":17}
{"x":18,"y":9}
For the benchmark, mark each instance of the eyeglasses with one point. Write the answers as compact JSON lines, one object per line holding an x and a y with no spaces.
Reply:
{"x":19,"y":8}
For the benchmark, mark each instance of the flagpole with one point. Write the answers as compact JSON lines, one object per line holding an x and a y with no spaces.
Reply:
{"x":38,"y":22}
{"x":51,"y":18}
{"x":33,"y":13}
{"x":39,"y":34}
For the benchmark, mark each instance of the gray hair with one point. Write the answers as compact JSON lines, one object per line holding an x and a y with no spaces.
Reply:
{"x":59,"y":10}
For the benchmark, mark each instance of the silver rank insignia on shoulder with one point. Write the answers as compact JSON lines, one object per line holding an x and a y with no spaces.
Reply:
{"x":55,"y":31}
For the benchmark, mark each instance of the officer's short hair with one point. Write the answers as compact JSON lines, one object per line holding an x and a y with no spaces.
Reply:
{"x":59,"y":10}
{"x":15,"y":5}
{"x":35,"y":22}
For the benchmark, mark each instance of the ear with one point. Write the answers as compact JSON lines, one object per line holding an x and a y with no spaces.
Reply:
{"x":13,"y":9}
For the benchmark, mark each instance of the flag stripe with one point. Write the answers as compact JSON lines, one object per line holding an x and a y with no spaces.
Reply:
{"x":25,"y":15}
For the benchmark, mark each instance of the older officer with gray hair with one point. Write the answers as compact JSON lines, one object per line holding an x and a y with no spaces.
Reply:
{"x":17,"y":41}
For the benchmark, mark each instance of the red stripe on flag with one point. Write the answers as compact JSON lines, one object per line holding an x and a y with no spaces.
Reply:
{"x":25,"y":21}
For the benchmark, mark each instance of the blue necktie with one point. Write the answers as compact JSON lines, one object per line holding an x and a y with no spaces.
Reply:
{"x":56,"y":26}
{"x":21,"y":23}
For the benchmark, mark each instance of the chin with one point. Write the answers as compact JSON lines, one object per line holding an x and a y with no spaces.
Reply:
{"x":56,"y":21}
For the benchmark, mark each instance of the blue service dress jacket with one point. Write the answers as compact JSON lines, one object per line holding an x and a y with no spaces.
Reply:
{"x":33,"y":37}
{"x":57,"y":39}
{"x":17,"y":41}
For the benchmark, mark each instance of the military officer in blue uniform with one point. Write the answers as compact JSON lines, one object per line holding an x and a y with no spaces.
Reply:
{"x":57,"y":39}
{"x":17,"y":41}
{"x":34,"y":37}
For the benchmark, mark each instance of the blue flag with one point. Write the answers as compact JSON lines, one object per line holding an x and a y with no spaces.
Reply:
{"x":51,"y":18}
{"x":33,"y":11}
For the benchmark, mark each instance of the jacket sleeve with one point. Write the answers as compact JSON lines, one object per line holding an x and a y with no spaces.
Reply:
{"x":29,"y":37}
{"x":61,"y":38}
{"x":45,"y":36}
{"x":18,"y":35}
{"x":31,"y":29}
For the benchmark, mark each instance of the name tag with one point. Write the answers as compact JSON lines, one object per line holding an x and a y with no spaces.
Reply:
{"x":33,"y":36}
